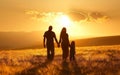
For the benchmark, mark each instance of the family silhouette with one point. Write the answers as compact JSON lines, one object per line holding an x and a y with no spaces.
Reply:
{"x":48,"y":41}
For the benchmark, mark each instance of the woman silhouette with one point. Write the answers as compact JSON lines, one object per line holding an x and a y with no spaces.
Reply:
{"x":64,"y":40}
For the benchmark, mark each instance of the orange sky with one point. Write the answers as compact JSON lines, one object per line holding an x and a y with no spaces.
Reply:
{"x":88,"y":17}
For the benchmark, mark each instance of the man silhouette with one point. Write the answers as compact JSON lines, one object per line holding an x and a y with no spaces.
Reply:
{"x":48,"y":42}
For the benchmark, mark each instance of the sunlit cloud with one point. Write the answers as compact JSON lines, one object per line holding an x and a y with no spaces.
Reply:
{"x":44,"y":16}
{"x":35,"y":15}
{"x":97,"y":16}
{"x":50,"y":16}
{"x":75,"y":16}
{"x":88,"y":16}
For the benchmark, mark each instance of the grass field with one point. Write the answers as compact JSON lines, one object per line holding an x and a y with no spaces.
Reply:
{"x":95,"y":60}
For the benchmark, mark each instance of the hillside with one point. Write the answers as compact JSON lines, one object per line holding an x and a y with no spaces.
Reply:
{"x":99,"y":41}
{"x":31,"y":40}
{"x":17,"y":40}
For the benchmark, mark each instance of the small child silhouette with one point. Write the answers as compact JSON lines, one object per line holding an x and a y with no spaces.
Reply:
{"x":72,"y":51}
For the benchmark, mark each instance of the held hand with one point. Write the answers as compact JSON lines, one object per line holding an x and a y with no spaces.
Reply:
{"x":58,"y":45}
{"x":69,"y":45}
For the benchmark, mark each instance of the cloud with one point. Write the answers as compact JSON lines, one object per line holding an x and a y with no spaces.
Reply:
{"x":44,"y":16}
{"x":98,"y":16}
{"x":76,"y":16}
{"x":35,"y":14}
{"x":87,"y":16}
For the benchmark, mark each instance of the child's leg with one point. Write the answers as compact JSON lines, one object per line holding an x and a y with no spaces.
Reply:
{"x":70,"y":57}
{"x":73,"y":57}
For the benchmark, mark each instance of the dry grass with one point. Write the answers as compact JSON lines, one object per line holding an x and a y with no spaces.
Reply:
{"x":96,"y":60}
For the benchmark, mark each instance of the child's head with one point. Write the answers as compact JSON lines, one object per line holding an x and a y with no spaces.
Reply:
{"x":72,"y":43}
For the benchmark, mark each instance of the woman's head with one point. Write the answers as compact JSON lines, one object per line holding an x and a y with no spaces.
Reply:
{"x":63,"y":30}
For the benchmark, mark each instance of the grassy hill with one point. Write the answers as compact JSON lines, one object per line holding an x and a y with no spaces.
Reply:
{"x":31,"y":40}
{"x":20,"y":40}
{"x":99,"y":41}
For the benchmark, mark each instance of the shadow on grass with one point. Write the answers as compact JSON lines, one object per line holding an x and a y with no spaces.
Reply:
{"x":65,"y":69}
{"x":70,"y":68}
{"x":76,"y":69}
{"x":34,"y":70}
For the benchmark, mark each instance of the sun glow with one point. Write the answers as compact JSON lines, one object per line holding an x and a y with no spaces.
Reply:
{"x":60,"y":20}
{"x":63,"y":20}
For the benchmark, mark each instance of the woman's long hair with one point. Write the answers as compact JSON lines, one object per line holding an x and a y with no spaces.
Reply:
{"x":63,"y":35}
{"x":63,"y":31}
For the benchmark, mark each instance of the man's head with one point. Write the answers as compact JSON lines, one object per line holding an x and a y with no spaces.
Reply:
{"x":50,"y":28}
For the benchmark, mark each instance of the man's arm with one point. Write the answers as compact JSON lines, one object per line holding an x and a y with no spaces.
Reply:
{"x":56,"y":40}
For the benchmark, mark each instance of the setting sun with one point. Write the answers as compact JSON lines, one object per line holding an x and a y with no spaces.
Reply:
{"x":64,"y":20}
{"x":60,"y":20}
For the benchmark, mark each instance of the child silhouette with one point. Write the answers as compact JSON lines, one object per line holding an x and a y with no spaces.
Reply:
{"x":72,"y":51}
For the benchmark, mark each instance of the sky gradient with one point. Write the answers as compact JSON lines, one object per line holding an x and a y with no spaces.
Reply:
{"x":88,"y":17}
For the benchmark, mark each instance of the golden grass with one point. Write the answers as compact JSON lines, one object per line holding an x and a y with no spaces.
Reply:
{"x":96,"y":60}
